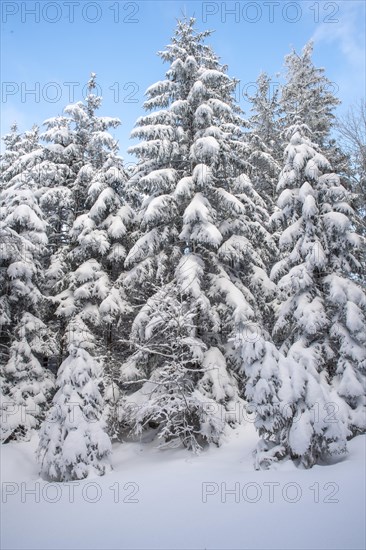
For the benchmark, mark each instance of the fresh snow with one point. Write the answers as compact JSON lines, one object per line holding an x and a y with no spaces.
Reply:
{"x":173,"y":500}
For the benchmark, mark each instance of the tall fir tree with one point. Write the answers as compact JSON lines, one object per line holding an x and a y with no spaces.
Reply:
{"x":87,"y":299}
{"x":196,"y":244}
{"x":26,"y":342}
{"x":317,"y":248}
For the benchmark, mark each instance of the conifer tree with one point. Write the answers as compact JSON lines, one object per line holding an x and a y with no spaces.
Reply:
{"x":313,"y":246}
{"x":87,"y":299}
{"x":25,"y":340}
{"x":196,"y":244}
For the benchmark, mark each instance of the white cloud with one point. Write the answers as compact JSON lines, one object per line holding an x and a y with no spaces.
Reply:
{"x":348,"y":37}
{"x":348,"y":32}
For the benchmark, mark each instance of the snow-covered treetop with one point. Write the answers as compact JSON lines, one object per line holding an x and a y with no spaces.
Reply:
{"x":81,"y":132}
{"x":195,"y":101}
{"x":308,"y":94}
{"x":188,"y":42}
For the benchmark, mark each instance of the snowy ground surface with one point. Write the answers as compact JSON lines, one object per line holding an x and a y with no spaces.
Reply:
{"x":171,"y":499}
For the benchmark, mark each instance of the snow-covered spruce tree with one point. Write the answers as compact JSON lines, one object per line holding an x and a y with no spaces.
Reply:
{"x":347,"y":306}
{"x":102,"y":234}
{"x":264,"y":144}
{"x":25,"y":340}
{"x":73,"y":443}
{"x":88,"y":302}
{"x":316,"y":252}
{"x":345,"y":300}
{"x":307,"y":93}
{"x":79,"y":158}
{"x":64,"y":156}
{"x":12,"y":151}
{"x":196,"y":259}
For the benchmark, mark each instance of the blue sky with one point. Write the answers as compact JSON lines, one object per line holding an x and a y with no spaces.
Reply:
{"x":51,"y":48}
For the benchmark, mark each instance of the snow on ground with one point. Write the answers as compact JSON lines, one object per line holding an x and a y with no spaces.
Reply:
{"x":172,"y":499}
